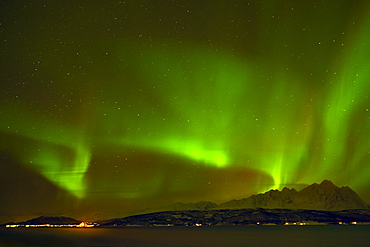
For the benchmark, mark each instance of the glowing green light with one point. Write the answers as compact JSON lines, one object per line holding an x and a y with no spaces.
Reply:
{"x":202,"y":91}
{"x":61,"y":156}
{"x":345,"y":115}
{"x":261,"y":104}
{"x":197,"y":152}
{"x":60,"y":166}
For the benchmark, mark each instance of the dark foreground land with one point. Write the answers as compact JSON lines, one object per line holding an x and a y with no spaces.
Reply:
{"x":222,"y":217}
{"x":228,"y":217}
{"x":238,"y":227}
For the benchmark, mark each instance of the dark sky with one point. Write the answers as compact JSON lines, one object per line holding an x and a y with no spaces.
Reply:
{"x":121,"y":105}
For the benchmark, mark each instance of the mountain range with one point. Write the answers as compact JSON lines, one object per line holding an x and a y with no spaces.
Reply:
{"x":321,"y":203}
{"x":232,"y":217}
{"x":323,"y":196}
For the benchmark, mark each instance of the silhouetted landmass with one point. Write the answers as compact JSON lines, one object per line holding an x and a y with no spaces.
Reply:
{"x":318,"y":203}
{"x":227,"y":217}
{"x":324,"y":196}
{"x":52,"y":220}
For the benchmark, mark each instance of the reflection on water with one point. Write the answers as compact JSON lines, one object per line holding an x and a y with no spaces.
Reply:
{"x":189,"y":236}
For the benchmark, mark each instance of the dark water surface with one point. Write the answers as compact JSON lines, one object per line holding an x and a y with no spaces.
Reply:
{"x":358,"y":235}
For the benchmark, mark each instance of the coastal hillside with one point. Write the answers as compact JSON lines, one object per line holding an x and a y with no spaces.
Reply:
{"x":228,"y":217}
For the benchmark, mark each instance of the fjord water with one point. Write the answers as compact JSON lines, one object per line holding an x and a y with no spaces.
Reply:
{"x":331,"y":235}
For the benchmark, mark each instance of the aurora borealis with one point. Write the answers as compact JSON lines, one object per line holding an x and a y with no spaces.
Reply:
{"x":128,"y":104}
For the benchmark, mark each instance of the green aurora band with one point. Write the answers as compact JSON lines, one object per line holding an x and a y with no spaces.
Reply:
{"x":203,"y":109}
{"x":346,"y":126}
{"x":60,"y":154}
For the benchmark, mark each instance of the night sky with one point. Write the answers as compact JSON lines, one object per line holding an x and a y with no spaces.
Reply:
{"x":122,"y":105}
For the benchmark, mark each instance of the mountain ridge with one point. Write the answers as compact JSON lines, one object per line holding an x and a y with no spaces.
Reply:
{"x":230,"y":217}
{"x":57,"y":220}
{"x":323,"y":196}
